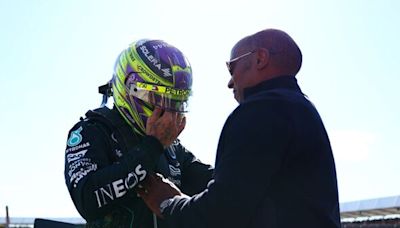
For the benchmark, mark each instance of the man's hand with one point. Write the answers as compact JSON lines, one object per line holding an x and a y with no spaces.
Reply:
{"x":165,"y":125}
{"x":155,"y":190}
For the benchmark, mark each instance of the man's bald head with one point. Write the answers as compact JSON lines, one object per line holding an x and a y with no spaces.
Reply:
{"x":285,"y":55}
{"x":260,"y":57}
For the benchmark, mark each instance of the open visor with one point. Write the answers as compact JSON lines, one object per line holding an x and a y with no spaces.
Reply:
{"x":161,"y":96}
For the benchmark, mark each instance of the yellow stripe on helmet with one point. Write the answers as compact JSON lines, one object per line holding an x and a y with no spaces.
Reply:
{"x":164,"y":89}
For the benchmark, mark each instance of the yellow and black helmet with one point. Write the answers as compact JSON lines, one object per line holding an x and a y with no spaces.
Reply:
{"x":150,"y":73}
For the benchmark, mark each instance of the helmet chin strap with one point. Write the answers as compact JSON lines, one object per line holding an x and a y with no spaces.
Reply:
{"x":106,"y":91}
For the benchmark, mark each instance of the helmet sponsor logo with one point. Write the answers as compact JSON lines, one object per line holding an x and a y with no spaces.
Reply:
{"x":155,"y":62}
{"x":151,"y":76}
{"x":179,"y":92}
{"x":161,"y":45}
{"x":75,"y":138}
{"x":163,"y":89}
{"x":120,"y":187}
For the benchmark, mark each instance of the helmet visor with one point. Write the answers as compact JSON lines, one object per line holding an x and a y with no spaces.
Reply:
{"x":167,"y":98}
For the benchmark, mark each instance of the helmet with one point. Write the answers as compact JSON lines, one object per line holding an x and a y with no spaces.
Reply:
{"x":150,"y":73}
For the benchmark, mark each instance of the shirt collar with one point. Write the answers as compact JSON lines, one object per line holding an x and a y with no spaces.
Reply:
{"x":281,"y":82}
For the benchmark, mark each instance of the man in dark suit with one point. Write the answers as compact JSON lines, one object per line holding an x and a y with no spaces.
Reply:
{"x":274,"y":164}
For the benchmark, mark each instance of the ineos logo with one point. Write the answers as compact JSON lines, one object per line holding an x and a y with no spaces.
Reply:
{"x":120,"y":187}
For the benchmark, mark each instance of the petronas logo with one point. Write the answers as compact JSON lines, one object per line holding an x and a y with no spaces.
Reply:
{"x":75,"y":138}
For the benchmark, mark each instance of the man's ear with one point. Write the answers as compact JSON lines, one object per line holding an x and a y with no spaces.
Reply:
{"x":262,"y":58}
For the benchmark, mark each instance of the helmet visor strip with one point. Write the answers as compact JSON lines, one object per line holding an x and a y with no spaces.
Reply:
{"x":167,"y":98}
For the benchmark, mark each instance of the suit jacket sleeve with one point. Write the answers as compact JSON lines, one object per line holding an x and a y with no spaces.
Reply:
{"x":250,"y":152}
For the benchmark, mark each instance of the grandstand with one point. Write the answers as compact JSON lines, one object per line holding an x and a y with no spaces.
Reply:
{"x":28,"y":222}
{"x":372,"y":213}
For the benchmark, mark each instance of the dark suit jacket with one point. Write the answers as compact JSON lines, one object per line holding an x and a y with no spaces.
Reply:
{"x":274,"y":167}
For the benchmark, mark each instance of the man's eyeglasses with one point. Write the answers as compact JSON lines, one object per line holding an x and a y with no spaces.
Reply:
{"x":231,"y":63}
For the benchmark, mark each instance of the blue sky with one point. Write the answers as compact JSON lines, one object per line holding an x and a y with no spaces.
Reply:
{"x":54,"y":55}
